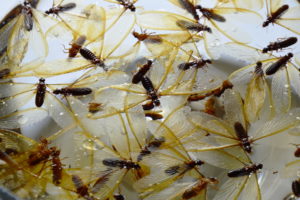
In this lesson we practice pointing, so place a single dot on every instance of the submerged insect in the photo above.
(274, 46)
(153, 144)
(56, 166)
(275, 15)
(209, 106)
(81, 189)
(73, 91)
(272, 69)
(137, 77)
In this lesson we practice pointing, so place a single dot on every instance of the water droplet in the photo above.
(22, 120)
(90, 145)
(61, 113)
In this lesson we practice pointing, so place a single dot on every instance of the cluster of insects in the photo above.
(128, 100)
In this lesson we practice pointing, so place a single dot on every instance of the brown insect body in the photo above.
(4, 72)
(95, 107)
(87, 54)
(56, 166)
(272, 69)
(274, 46)
(147, 84)
(188, 166)
(11, 15)
(210, 106)
(119, 197)
(40, 93)
(195, 64)
(216, 92)
(156, 143)
(76, 46)
(41, 154)
(198, 187)
(258, 69)
(192, 26)
(120, 163)
(276, 15)
(81, 189)
(242, 134)
(73, 91)
(57, 9)
(141, 72)
(245, 171)
(127, 5)
(148, 106)
(210, 14)
(296, 188)
(154, 116)
(149, 37)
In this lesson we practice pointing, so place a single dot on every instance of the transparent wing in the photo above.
(279, 124)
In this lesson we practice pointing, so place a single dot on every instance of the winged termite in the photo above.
(197, 64)
(81, 189)
(283, 80)
(73, 91)
(283, 15)
(211, 29)
(137, 77)
(100, 44)
(127, 4)
(60, 8)
(242, 173)
(175, 166)
(26, 171)
(104, 166)
(188, 6)
(276, 15)
(192, 26)
(216, 92)
(245, 171)
(147, 84)
(152, 144)
(26, 22)
(274, 46)
(161, 44)
(238, 131)
(210, 14)
(198, 187)
(272, 69)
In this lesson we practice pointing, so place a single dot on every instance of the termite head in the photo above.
(156, 102)
(42, 80)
